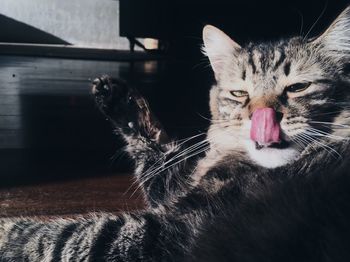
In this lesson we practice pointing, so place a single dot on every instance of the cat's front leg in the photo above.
(128, 237)
(147, 142)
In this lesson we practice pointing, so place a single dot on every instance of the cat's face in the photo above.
(273, 100)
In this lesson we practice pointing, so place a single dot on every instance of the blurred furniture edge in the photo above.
(66, 51)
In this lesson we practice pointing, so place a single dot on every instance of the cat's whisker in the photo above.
(206, 118)
(176, 163)
(118, 154)
(310, 142)
(191, 149)
(188, 150)
(330, 124)
(302, 23)
(327, 113)
(205, 63)
(233, 127)
(314, 24)
(298, 143)
(324, 146)
(185, 140)
(321, 133)
(163, 168)
(306, 142)
(221, 126)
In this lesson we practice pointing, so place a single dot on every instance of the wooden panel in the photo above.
(108, 194)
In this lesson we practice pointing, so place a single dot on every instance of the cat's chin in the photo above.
(271, 157)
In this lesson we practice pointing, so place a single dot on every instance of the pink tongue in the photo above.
(265, 128)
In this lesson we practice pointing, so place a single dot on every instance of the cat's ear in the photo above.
(218, 47)
(337, 36)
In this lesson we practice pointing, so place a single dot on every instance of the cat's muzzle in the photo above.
(280, 145)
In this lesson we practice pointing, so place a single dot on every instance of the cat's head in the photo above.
(273, 100)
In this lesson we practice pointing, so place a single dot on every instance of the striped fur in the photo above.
(222, 199)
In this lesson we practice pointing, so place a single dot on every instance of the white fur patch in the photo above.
(271, 157)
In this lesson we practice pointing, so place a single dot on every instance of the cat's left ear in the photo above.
(337, 36)
(219, 47)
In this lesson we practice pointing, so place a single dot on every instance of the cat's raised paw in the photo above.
(126, 108)
(101, 86)
(110, 94)
(102, 89)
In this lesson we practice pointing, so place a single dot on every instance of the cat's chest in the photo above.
(215, 159)
(218, 169)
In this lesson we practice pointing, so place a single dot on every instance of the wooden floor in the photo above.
(114, 193)
(58, 155)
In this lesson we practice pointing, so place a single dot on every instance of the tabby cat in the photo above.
(272, 183)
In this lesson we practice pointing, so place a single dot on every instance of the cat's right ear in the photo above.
(219, 47)
(336, 39)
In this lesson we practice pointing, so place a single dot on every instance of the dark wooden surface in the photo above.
(113, 193)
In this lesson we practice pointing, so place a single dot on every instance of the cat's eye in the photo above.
(299, 87)
(239, 93)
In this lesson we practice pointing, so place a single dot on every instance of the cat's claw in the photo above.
(101, 87)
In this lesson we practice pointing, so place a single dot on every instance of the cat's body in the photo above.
(272, 184)
(283, 219)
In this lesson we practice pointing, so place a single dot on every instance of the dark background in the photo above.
(181, 22)
(50, 128)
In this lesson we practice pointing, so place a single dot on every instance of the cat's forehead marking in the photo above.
(268, 65)
(281, 58)
(251, 61)
(267, 58)
(286, 68)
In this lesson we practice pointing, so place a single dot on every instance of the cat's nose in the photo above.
(265, 128)
(279, 116)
